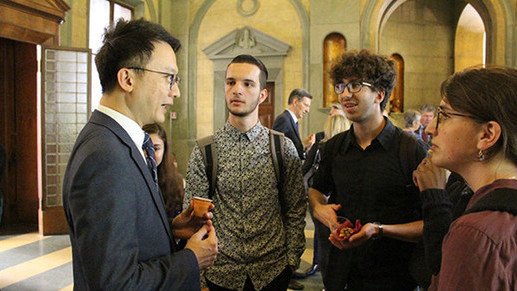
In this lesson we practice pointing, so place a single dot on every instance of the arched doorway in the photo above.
(470, 40)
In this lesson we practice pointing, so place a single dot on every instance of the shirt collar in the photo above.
(385, 137)
(134, 130)
(251, 134)
(293, 115)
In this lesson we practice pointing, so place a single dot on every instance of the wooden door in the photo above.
(18, 134)
(267, 108)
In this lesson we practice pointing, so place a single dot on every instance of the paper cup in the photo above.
(201, 205)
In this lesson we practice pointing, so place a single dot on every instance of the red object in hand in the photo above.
(345, 230)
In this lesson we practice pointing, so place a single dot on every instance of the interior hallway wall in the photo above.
(422, 32)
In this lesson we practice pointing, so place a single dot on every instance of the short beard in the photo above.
(244, 113)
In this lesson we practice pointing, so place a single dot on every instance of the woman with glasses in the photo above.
(475, 135)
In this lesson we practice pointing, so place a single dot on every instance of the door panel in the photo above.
(65, 111)
(18, 134)
(267, 108)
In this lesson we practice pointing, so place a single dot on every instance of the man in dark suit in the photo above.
(120, 236)
(299, 104)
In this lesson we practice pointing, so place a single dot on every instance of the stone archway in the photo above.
(496, 16)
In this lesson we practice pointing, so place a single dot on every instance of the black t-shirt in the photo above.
(370, 185)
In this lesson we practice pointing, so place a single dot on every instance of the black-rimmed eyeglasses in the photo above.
(353, 87)
(442, 115)
(173, 79)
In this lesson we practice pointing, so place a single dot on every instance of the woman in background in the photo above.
(169, 179)
(475, 135)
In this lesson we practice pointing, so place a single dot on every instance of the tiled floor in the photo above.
(33, 262)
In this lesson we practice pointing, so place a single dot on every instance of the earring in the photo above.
(481, 156)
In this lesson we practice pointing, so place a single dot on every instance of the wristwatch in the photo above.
(379, 233)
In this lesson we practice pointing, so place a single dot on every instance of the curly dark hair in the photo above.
(169, 179)
(365, 66)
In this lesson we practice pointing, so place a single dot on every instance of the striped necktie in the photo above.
(148, 148)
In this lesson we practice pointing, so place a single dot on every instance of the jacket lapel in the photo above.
(293, 125)
(104, 120)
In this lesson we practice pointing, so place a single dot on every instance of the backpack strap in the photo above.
(277, 150)
(407, 155)
(209, 153)
(502, 199)
(277, 154)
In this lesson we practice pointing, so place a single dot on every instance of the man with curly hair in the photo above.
(361, 175)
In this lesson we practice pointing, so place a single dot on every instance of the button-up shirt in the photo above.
(258, 237)
(370, 185)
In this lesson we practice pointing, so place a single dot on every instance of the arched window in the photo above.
(334, 46)
(396, 101)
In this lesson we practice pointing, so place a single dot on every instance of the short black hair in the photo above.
(298, 94)
(376, 69)
(129, 44)
(249, 59)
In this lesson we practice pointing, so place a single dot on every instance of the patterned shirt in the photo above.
(256, 237)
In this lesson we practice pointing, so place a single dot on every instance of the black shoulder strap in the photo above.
(407, 154)
(277, 146)
(209, 153)
(277, 153)
(502, 199)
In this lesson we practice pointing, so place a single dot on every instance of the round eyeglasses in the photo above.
(353, 87)
(173, 78)
(442, 115)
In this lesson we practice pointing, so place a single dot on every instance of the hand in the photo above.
(326, 213)
(429, 176)
(186, 223)
(204, 245)
(309, 141)
(366, 233)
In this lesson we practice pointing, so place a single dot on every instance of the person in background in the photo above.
(169, 179)
(412, 122)
(336, 108)
(299, 104)
(260, 223)
(120, 235)
(427, 112)
(358, 176)
(335, 123)
(475, 135)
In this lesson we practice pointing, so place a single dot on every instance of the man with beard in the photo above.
(260, 225)
(361, 171)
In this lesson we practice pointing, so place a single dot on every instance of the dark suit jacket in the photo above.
(119, 231)
(285, 123)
